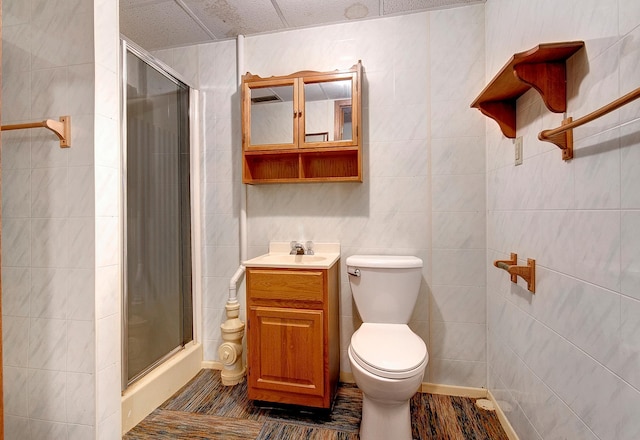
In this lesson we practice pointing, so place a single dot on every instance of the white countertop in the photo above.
(325, 256)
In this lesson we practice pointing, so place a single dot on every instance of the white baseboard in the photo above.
(453, 390)
(212, 365)
(508, 429)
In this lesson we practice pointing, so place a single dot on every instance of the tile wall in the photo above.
(458, 303)
(416, 184)
(108, 249)
(406, 61)
(565, 363)
(390, 211)
(53, 256)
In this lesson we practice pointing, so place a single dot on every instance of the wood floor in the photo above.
(205, 409)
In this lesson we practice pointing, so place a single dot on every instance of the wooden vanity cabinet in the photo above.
(293, 339)
(303, 127)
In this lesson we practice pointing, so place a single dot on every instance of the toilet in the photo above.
(387, 359)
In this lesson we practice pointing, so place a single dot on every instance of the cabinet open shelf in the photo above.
(309, 165)
(543, 68)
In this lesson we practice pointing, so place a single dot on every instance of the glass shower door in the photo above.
(157, 262)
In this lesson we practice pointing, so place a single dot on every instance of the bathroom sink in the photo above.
(292, 259)
(324, 258)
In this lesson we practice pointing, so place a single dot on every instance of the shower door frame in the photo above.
(194, 174)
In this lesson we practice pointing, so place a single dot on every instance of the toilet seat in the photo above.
(388, 350)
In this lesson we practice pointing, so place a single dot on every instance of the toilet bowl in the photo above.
(387, 363)
(387, 359)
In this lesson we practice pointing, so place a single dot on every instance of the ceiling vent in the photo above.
(268, 98)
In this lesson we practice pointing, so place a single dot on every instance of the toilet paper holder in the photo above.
(527, 273)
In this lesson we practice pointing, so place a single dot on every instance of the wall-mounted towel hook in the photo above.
(528, 272)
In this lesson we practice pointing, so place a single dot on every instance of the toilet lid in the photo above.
(388, 350)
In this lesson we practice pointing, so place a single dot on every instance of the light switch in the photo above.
(518, 148)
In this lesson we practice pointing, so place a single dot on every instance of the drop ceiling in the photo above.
(160, 24)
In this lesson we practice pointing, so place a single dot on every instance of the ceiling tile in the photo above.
(228, 18)
(161, 24)
(154, 25)
(307, 13)
(398, 6)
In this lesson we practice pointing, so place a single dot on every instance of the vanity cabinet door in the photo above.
(286, 353)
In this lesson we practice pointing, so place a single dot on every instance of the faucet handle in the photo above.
(309, 246)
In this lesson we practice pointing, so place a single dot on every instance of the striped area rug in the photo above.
(204, 409)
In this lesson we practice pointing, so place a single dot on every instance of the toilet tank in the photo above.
(384, 287)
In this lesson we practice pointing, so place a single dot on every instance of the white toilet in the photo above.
(387, 359)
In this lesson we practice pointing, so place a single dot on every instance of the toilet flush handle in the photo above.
(353, 271)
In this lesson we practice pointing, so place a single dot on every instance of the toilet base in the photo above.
(385, 420)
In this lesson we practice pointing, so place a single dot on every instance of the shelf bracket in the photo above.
(549, 79)
(504, 113)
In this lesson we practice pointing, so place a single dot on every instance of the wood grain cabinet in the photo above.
(302, 127)
(293, 340)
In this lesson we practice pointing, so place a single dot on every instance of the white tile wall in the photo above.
(49, 215)
(106, 235)
(457, 301)
(565, 360)
(391, 211)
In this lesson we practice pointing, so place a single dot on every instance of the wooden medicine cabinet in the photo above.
(303, 127)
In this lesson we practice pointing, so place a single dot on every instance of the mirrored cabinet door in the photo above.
(327, 119)
(271, 116)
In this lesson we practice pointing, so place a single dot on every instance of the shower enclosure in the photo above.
(158, 313)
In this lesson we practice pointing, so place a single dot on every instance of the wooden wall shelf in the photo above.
(543, 68)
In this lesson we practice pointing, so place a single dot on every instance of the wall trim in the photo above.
(453, 390)
(508, 429)
(212, 365)
(346, 377)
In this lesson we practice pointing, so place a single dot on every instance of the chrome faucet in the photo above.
(298, 248)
